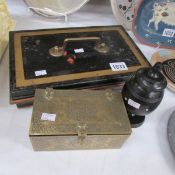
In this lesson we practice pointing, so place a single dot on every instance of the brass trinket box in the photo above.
(78, 119)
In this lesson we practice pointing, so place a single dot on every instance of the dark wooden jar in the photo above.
(143, 93)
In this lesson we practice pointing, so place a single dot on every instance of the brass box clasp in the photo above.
(82, 131)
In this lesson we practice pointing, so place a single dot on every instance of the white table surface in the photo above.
(145, 152)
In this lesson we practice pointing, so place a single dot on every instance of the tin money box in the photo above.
(70, 58)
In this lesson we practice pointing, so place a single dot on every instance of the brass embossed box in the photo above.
(78, 119)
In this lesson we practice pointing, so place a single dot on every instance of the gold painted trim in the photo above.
(22, 82)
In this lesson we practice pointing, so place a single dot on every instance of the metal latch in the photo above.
(82, 131)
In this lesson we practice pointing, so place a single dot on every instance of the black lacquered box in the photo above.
(70, 58)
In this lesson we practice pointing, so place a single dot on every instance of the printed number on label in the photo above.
(48, 117)
(81, 50)
(133, 104)
(168, 32)
(118, 66)
(40, 73)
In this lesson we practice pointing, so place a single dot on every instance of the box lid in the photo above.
(83, 57)
(68, 112)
